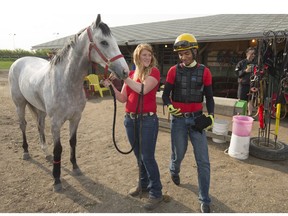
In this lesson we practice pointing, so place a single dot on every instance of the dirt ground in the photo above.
(244, 186)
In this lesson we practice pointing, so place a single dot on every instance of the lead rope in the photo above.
(140, 139)
(114, 123)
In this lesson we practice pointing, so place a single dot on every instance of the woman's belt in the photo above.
(136, 115)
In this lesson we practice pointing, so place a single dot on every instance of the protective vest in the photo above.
(188, 86)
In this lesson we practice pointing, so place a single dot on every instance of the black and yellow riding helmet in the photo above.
(185, 41)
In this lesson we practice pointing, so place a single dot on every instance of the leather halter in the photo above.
(92, 45)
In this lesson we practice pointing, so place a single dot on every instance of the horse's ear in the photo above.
(98, 20)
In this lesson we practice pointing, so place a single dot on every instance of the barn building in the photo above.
(222, 40)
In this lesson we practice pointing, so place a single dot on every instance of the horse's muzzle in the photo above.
(125, 74)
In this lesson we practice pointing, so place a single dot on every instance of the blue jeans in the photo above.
(150, 176)
(180, 129)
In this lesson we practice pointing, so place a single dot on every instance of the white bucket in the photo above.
(239, 147)
(220, 127)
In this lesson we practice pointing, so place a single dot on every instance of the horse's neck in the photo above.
(76, 65)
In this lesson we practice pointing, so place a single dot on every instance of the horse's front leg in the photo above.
(57, 151)
(73, 140)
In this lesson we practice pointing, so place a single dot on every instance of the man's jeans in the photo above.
(150, 176)
(180, 129)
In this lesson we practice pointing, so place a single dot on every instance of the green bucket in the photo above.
(240, 107)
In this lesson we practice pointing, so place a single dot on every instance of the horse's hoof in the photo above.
(49, 158)
(77, 172)
(26, 156)
(57, 187)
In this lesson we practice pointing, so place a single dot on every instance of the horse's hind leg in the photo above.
(22, 122)
(41, 127)
(73, 140)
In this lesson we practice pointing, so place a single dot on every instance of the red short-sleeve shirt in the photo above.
(149, 100)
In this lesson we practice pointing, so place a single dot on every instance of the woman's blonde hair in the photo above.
(141, 71)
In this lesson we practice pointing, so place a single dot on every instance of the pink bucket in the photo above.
(242, 125)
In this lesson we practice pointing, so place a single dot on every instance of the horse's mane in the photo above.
(73, 40)
(63, 52)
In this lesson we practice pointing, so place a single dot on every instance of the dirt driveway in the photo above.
(251, 185)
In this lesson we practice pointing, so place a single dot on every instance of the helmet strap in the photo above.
(194, 54)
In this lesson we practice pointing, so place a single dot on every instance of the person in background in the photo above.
(244, 69)
(144, 80)
(186, 85)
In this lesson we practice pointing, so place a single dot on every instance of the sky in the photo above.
(26, 23)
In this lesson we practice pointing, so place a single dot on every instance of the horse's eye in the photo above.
(104, 43)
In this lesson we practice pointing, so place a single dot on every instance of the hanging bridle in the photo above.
(93, 46)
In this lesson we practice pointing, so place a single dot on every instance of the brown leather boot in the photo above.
(136, 191)
(153, 203)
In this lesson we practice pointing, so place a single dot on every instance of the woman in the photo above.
(145, 78)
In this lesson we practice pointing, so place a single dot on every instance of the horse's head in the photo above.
(104, 49)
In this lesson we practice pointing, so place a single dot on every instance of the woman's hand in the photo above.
(112, 77)
(106, 83)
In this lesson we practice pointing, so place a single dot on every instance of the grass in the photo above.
(5, 64)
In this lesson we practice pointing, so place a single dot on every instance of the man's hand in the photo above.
(173, 111)
(248, 69)
(212, 120)
(203, 122)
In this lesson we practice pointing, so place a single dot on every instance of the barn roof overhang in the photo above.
(216, 28)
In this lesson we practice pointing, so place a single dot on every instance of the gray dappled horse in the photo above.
(56, 88)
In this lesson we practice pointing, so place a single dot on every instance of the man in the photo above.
(244, 69)
(186, 84)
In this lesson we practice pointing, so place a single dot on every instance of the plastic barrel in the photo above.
(220, 127)
(242, 125)
(240, 139)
